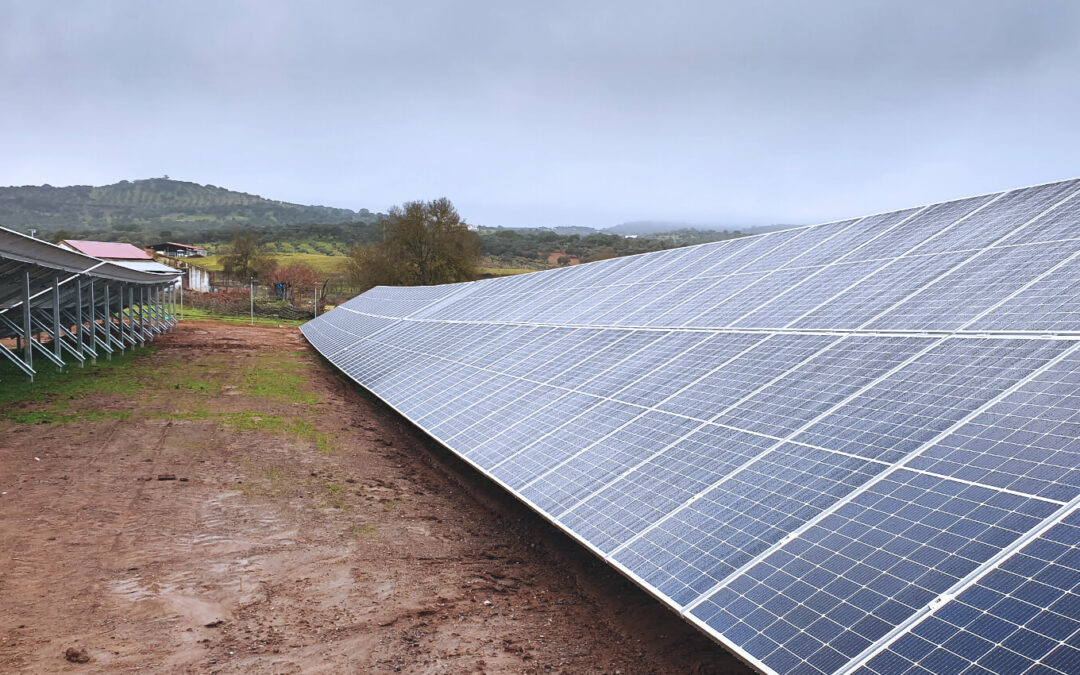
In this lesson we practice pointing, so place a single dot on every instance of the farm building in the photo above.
(175, 250)
(125, 255)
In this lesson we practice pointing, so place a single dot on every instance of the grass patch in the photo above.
(60, 417)
(114, 376)
(196, 314)
(190, 416)
(335, 495)
(320, 262)
(280, 378)
(302, 429)
(362, 530)
(502, 271)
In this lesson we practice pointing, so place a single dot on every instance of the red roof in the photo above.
(109, 249)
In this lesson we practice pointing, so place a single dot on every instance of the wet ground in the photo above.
(227, 502)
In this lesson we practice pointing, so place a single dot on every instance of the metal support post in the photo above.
(93, 320)
(151, 311)
(142, 318)
(56, 317)
(28, 338)
(80, 342)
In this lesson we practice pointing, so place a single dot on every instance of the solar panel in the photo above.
(838, 448)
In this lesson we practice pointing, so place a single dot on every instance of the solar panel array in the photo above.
(844, 447)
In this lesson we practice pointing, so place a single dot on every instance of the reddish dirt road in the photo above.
(229, 503)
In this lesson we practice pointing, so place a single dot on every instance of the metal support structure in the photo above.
(63, 306)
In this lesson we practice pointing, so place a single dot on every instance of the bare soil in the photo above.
(258, 513)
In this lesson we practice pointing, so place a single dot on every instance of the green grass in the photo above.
(188, 415)
(362, 530)
(320, 262)
(278, 377)
(105, 377)
(252, 421)
(58, 417)
(195, 314)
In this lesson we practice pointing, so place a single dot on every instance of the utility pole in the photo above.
(252, 301)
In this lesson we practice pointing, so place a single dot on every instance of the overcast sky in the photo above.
(550, 113)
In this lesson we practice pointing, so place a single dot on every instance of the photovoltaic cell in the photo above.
(846, 582)
(1049, 305)
(1023, 617)
(820, 382)
(969, 290)
(998, 219)
(1028, 442)
(731, 382)
(695, 547)
(924, 398)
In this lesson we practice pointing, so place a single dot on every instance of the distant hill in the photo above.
(640, 227)
(155, 204)
(644, 227)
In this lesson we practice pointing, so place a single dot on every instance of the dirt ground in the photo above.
(227, 502)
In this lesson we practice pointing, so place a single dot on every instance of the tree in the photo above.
(423, 243)
(295, 275)
(245, 259)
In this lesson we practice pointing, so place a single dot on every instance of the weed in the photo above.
(335, 496)
(362, 530)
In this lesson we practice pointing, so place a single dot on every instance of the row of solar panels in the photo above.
(813, 498)
(998, 263)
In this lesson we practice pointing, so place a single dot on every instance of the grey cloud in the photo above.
(549, 113)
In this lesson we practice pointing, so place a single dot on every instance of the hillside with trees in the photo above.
(150, 207)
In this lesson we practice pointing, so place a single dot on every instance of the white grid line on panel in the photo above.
(960, 586)
(778, 269)
(980, 333)
(347, 309)
(726, 276)
(974, 483)
(893, 260)
(897, 466)
(990, 310)
(831, 264)
(709, 422)
(781, 441)
(775, 379)
(966, 261)
(644, 410)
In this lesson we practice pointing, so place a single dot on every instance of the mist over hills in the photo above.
(646, 228)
